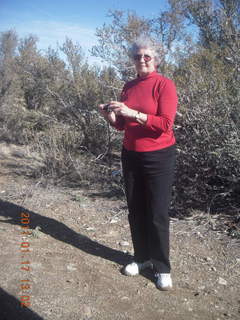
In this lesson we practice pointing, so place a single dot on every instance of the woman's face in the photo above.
(144, 61)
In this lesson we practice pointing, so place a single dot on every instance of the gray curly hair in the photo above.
(146, 43)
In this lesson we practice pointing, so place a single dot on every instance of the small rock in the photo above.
(222, 281)
(114, 220)
(150, 285)
(213, 269)
(226, 314)
(71, 267)
(208, 259)
(90, 229)
(85, 286)
(124, 243)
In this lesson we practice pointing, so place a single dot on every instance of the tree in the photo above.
(8, 46)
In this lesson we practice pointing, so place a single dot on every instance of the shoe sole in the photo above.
(165, 288)
(130, 275)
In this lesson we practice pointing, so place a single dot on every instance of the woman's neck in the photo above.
(145, 74)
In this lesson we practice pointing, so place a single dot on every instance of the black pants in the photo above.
(148, 178)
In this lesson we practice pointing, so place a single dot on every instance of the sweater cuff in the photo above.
(158, 123)
(148, 123)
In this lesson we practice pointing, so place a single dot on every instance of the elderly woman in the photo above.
(146, 113)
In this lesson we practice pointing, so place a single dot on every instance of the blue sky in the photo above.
(53, 20)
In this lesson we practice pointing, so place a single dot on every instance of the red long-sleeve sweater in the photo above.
(155, 96)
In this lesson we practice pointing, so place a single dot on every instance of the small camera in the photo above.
(107, 108)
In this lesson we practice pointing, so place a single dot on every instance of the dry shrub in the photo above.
(18, 124)
(208, 135)
(67, 160)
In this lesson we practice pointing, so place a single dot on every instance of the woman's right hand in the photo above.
(108, 115)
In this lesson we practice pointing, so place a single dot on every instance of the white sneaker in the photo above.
(134, 268)
(164, 281)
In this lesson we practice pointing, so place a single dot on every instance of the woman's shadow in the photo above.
(60, 231)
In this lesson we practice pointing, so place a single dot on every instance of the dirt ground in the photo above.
(69, 266)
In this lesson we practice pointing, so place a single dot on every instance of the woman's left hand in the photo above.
(120, 109)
